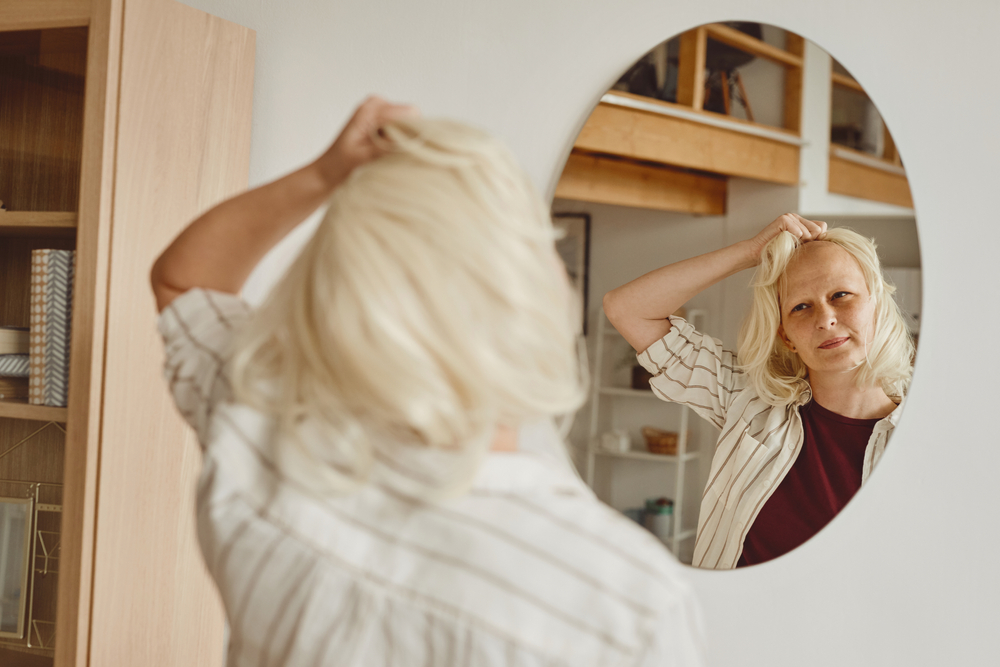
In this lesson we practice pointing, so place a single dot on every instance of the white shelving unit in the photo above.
(601, 393)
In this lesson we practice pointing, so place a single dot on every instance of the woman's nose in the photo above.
(826, 316)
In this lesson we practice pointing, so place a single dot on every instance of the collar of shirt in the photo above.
(524, 472)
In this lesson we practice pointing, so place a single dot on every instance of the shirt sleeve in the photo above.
(691, 368)
(198, 329)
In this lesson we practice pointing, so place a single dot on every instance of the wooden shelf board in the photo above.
(42, 223)
(752, 45)
(646, 456)
(651, 136)
(603, 180)
(845, 81)
(854, 179)
(627, 392)
(21, 409)
(42, 14)
(683, 535)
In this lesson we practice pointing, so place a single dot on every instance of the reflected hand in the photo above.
(356, 144)
(802, 228)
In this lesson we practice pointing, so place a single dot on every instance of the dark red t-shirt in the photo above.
(826, 474)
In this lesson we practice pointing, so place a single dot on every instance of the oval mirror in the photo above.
(703, 143)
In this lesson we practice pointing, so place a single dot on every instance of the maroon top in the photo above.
(823, 478)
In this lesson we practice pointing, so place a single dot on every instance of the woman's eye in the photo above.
(837, 295)
(799, 307)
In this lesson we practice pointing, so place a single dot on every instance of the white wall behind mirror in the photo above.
(906, 575)
(815, 144)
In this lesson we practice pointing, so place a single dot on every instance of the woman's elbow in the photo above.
(612, 306)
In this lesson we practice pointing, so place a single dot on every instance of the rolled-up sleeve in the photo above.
(694, 369)
(198, 329)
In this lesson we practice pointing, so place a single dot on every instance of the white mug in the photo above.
(616, 441)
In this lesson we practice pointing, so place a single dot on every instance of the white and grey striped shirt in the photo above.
(528, 568)
(757, 446)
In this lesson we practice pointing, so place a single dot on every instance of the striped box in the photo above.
(14, 365)
(51, 313)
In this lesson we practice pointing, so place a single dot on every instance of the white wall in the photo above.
(907, 574)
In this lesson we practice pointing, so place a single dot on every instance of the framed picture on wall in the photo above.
(574, 249)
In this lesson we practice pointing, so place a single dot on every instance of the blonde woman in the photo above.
(807, 405)
(381, 484)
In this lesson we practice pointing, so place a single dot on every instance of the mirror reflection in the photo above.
(751, 235)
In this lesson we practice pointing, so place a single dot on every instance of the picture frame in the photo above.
(15, 562)
(574, 250)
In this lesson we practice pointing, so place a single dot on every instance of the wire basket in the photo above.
(659, 441)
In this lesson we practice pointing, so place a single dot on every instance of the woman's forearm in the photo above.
(219, 249)
(639, 310)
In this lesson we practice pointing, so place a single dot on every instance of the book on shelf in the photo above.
(14, 365)
(14, 340)
(13, 388)
(51, 314)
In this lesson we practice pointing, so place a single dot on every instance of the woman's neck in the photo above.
(837, 392)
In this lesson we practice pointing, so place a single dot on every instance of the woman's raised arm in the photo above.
(220, 249)
(639, 310)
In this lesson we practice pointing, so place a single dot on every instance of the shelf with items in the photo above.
(21, 409)
(608, 395)
(38, 223)
(648, 456)
(864, 162)
(626, 392)
(115, 133)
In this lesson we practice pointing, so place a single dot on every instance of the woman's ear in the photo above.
(784, 338)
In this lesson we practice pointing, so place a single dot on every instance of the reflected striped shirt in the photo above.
(527, 568)
(757, 445)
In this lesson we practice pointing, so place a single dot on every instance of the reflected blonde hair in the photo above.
(777, 374)
(429, 308)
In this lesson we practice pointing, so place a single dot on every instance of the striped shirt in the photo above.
(527, 568)
(758, 442)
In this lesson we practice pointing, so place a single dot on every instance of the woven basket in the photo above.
(659, 441)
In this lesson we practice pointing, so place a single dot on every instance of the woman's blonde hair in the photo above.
(777, 374)
(429, 308)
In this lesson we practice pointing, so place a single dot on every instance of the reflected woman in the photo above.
(807, 404)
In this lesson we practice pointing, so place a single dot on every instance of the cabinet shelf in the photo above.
(681, 536)
(647, 456)
(21, 409)
(40, 223)
(630, 393)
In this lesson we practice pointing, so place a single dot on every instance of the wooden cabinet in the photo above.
(119, 122)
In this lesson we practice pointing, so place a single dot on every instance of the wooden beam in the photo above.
(691, 69)
(795, 45)
(41, 14)
(853, 179)
(604, 180)
(752, 45)
(846, 82)
(651, 137)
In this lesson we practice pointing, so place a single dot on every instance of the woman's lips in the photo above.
(833, 342)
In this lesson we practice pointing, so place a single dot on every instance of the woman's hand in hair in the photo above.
(357, 143)
(802, 228)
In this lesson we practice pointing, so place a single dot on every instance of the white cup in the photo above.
(616, 441)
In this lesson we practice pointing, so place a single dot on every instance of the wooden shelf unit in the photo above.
(646, 153)
(858, 174)
(116, 129)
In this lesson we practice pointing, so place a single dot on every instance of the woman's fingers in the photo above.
(809, 230)
(356, 145)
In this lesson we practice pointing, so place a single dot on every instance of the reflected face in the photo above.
(827, 313)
